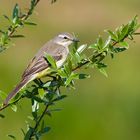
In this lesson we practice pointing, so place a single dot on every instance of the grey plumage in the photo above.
(57, 48)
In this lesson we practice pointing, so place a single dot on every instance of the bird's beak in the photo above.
(75, 40)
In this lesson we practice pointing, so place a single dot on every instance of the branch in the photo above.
(38, 122)
(18, 20)
(47, 93)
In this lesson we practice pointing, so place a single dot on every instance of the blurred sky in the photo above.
(99, 108)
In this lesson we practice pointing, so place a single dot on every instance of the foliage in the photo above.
(45, 94)
(17, 20)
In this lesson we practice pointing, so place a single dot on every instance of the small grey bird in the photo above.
(39, 67)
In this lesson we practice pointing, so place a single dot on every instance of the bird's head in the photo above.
(65, 39)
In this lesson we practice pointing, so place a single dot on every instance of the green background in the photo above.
(99, 108)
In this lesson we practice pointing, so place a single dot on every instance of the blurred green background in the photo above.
(99, 108)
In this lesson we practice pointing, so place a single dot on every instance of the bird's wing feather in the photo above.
(38, 65)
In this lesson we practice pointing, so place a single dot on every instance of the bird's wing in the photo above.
(37, 65)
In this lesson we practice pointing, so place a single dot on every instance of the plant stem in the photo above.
(11, 30)
(5, 106)
(38, 122)
(88, 61)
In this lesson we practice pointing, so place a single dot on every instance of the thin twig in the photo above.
(5, 106)
(11, 30)
(88, 61)
(38, 122)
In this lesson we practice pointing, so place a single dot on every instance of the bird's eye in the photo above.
(65, 37)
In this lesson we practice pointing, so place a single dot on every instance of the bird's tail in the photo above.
(22, 84)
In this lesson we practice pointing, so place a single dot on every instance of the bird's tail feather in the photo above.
(22, 84)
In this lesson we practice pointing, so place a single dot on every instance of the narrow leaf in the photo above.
(41, 92)
(30, 23)
(12, 137)
(28, 134)
(16, 11)
(102, 70)
(100, 42)
(84, 76)
(6, 17)
(14, 108)
(93, 46)
(59, 98)
(23, 132)
(124, 44)
(120, 49)
(112, 34)
(82, 48)
(45, 130)
(51, 60)
(2, 116)
(3, 95)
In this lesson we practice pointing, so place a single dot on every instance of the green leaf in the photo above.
(6, 17)
(42, 125)
(112, 55)
(12, 137)
(100, 41)
(74, 76)
(101, 65)
(3, 95)
(62, 73)
(48, 112)
(107, 43)
(124, 44)
(2, 32)
(112, 34)
(82, 48)
(59, 98)
(41, 92)
(14, 108)
(32, 4)
(93, 46)
(83, 76)
(35, 106)
(32, 117)
(118, 33)
(2, 116)
(16, 11)
(55, 110)
(30, 23)
(132, 24)
(28, 134)
(51, 60)
(37, 99)
(77, 58)
(23, 132)
(102, 70)
(68, 68)
(37, 136)
(124, 32)
(120, 49)
(137, 27)
(44, 130)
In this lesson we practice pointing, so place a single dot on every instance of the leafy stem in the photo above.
(46, 93)
(38, 122)
(19, 19)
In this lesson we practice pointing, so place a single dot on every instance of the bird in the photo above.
(39, 67)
